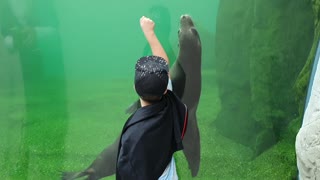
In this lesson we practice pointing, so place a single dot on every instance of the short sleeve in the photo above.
(169, 85)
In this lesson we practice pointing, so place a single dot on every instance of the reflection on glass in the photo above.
(30, 31)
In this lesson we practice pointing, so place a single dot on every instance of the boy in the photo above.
(155, 131)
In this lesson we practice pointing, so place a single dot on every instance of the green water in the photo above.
(65, 83)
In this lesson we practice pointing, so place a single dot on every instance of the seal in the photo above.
(186, 81)
(189, 61)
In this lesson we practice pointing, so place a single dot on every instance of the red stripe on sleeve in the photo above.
(185, 123)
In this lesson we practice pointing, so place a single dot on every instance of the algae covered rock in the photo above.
(233, 36)
(261, 48)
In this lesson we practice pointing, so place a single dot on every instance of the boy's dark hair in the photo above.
(151, 77)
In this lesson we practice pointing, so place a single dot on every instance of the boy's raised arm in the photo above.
(147, 26)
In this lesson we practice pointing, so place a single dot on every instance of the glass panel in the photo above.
(66, 79)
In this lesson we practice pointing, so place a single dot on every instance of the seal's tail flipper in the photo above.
(73, 175)
(133, 107)
(191, 143)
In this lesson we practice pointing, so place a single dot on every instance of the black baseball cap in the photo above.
(151, 76)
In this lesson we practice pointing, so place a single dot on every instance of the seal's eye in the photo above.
(178, 31)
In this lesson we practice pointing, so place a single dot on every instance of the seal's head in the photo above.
(186, 21)
(188, 34)
(151, 78)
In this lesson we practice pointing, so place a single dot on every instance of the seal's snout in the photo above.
(185, 20)
(184, 16)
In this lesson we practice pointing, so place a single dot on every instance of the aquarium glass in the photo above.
(66, 79)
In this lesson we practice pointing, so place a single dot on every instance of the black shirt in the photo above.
(150, 137)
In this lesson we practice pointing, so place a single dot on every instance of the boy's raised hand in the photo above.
(147, 26)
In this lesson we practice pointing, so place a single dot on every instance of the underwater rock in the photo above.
(261, 47)
(232, 62)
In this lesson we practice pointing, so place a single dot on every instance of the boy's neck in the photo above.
(144, 103)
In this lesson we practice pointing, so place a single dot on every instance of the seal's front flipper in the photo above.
(72, 175)
(104, 165)
(178, 78)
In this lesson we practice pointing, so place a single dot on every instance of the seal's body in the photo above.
(189, 61)
(186, 81)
